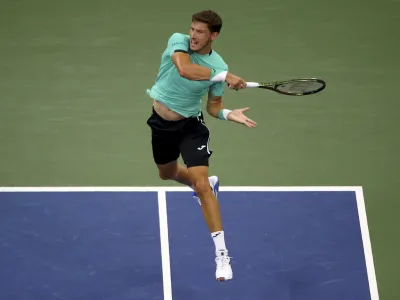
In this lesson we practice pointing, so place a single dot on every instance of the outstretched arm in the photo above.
(216, 109)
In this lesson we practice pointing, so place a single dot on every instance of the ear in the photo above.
(214, 35)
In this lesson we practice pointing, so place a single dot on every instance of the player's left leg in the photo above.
(195, 153)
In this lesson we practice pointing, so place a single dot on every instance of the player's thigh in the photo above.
(165, 150)
(168, 170)
(195, 146)
(165, 142)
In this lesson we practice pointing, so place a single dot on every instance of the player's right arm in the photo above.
(189, 70)
(178, 46)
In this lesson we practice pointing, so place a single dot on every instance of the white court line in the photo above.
(362, 214)
(165, 259)
(182, 189)
(162, 190)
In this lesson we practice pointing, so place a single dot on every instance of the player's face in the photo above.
(200, 36)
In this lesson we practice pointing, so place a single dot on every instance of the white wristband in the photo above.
(223, 114)
(220, 76)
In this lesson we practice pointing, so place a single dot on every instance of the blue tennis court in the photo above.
(297, 243)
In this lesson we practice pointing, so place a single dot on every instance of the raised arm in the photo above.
(189, 70)
(178, 47)
(192, 71)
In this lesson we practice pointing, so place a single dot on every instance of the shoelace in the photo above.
(222, 261)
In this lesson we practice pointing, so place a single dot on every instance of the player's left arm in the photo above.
(214, 105)
(215, 108)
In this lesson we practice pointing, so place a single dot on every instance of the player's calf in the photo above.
(206, 189)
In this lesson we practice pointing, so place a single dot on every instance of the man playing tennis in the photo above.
(189, 69)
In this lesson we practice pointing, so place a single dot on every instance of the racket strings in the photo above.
(300, 87)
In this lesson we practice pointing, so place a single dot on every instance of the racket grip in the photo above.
(252, 84)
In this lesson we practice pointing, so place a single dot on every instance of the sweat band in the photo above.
(223, 114)
(218, 75)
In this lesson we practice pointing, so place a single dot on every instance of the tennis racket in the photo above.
(292, 87)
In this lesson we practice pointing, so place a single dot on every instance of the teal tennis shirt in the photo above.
(179, 94)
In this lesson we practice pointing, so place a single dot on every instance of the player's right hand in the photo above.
(235, 82)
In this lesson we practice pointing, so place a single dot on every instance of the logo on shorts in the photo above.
(202, 147)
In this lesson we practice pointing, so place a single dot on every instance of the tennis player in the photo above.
(189, 70)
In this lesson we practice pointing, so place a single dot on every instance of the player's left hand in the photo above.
(237, 116)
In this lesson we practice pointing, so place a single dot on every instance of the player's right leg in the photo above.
(165, 140)
(173, 171)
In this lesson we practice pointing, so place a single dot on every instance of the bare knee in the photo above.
(166, 175)
(202, 186)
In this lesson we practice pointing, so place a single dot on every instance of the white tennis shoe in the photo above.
(223, 270)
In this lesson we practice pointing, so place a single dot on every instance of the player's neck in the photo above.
(205, 51)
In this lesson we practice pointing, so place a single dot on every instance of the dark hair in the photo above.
(211, 18)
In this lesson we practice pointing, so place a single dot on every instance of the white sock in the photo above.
(219, 240)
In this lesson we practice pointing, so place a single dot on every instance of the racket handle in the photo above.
(252, 84)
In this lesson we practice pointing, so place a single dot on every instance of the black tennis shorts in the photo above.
(187, 137)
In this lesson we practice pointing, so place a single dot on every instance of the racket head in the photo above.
(296, 87)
